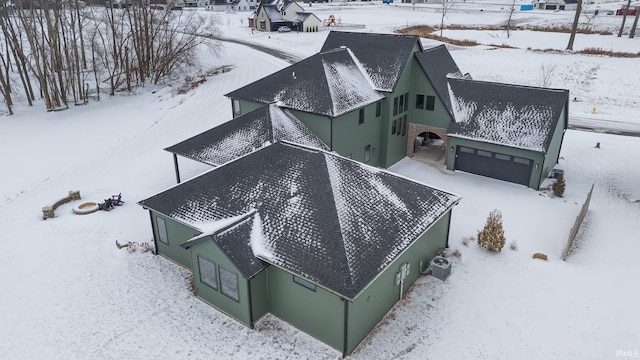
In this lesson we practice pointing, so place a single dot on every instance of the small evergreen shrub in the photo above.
(558, 186)
(491, 237)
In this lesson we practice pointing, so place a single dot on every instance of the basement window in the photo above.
(207, 270)
(302, 282)
(229, 283)
(162, 230)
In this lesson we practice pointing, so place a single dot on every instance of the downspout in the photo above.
(250, 304)
(345, 328)
(446, 245)
(175, 165)
(153, 230)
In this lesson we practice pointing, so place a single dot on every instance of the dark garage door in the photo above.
(495, 165)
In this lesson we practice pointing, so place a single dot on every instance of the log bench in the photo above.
(49, 211)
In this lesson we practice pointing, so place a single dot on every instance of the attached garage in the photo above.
(508, 132)
(495, 165)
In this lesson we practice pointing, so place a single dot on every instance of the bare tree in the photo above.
(547, 73)
(632, 33)
(444, 9)
(574, 27)
(513, 8)
(624, 17)
(588, 14)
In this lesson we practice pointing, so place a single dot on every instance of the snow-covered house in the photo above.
(269, 17)
(370, 96)
(556, 4)
(326, 243)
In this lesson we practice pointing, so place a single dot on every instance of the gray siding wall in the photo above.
(177, 234)
(378, 298)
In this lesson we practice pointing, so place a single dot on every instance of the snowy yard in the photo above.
(69, 293)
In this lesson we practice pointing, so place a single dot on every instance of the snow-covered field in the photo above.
(69, 293)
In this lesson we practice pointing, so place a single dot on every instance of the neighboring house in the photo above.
(247, 133)
(323, 242)
(370, 96)
(557, 4)
(508, 132)
(269, 17)
(244, 5)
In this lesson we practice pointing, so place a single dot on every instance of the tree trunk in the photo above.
(632, 33)
(574, 27)
(624, 18)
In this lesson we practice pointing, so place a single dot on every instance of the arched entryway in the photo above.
(427, 141)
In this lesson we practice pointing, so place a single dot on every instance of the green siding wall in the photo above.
(395, 148)
(177, 234)
(350, 137)
(237, 309)
(551, 159)
(537, 158)
(439, 116)
(376, 300)
(320, 125)
(247, 106)
(318, 313)
(259, 295)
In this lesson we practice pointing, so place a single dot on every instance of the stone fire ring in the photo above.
(86, 208)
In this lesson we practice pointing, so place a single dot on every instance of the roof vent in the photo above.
(343, 46)
(440, 267)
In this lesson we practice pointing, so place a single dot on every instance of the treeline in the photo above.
(61, 52)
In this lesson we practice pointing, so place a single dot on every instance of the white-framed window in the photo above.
(207, 270)
(229, 283)
(162, 230)
(302, 282)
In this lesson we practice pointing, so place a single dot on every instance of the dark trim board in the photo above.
(494, 165)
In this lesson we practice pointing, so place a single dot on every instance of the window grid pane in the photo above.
(207, 272)
(419, 101)
(229, 283)
(431, 101)
(395, 106)
(406, 101)
(393, 127)
(162, 230)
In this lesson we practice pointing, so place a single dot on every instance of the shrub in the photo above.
(558, 186)
(491, 237)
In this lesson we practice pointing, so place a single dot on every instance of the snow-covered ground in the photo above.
(69, 293)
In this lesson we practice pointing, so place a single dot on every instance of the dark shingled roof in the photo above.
(332, 220)
(437, 63)
(383, 56)
(273, 13)
(244, 134)
(512, 115)
(232, 241)
(329, 83)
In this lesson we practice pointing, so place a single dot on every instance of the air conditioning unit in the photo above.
(440, 267)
